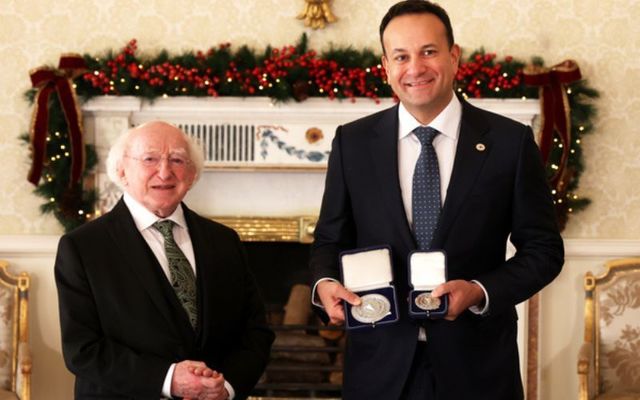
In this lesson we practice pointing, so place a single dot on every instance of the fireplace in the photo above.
(306, 359)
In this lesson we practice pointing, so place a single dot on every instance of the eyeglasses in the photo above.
(154, 160)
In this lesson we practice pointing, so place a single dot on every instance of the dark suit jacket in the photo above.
(122, 324)
(492, 193)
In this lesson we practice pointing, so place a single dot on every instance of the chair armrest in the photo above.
(24, 358)
(585, 371)
(585, 358)
(23, 379)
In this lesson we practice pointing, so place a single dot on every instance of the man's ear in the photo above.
(455, 55)
(121, 175)
(384, 61)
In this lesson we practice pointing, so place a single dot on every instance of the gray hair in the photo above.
(118, 149)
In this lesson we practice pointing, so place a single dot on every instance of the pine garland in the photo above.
(289, 73)
(72, 204)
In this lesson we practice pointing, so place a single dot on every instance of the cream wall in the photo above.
(601, 36)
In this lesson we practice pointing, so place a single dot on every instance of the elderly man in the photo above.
(155, 300)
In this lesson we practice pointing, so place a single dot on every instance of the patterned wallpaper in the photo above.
(601, 36)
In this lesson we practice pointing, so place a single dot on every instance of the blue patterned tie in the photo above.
(183, 279)
(425, 202)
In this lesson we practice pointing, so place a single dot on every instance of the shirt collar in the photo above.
(143, 218)
(447, 122)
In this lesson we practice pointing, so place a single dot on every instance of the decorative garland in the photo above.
(292, 72)
(268, 134)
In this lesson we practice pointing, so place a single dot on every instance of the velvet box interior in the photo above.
(427, 270)
(368, 273)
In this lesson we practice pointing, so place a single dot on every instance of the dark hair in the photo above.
(417, 7)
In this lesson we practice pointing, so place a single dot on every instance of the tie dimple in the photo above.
(183, 279)
(425, 202)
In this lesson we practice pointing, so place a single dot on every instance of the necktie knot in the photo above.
(425, 134)
(165, 228)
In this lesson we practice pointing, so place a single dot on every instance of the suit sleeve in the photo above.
(335, 230)
(245, 363)
(88, 352)
(534, 233)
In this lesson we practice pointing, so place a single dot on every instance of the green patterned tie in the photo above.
(183, 279)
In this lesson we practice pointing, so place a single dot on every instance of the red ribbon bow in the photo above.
(49, 80)
(555, 108)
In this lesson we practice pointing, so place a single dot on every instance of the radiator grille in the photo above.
(224, 143)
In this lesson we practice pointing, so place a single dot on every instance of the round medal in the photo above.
(373, 308)
(425, 301)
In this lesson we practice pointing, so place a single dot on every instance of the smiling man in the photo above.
(479, 178)
(156, 301)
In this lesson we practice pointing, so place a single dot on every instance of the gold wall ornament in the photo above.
(317, 13)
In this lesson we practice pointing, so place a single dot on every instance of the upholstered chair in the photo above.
(609, 359)
(15, 357)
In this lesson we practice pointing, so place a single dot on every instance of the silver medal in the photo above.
(373, 308)
(425, 301)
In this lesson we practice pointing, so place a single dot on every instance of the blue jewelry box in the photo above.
(427, 270)
(368, 273)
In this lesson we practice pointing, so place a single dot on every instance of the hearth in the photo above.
(306, 359)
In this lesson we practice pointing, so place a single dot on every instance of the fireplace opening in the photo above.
(277, 267)
(306, 358)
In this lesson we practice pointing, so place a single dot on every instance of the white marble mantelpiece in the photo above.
(270, 182)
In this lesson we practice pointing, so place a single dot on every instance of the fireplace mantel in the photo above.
(262, 158)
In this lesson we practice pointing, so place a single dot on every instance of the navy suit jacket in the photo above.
(493, 193)
(122, 324)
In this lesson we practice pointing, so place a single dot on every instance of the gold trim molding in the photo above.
(271, 229)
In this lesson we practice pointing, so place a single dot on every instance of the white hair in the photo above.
(119, 148)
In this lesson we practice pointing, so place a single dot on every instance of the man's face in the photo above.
(419, 63)
(156, 169)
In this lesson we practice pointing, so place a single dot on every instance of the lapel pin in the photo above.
(480, 147)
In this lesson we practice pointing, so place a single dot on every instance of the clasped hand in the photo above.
(193, 380)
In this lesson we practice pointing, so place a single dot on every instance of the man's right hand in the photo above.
(331, 294)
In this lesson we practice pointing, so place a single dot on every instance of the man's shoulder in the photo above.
(92, 226)
(369, 121)
(207, 224)
(473, 114)
(97, 230)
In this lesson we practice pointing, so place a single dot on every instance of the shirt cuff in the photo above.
(166, 386)
(481, 309)
(232, 393)
(314, 298)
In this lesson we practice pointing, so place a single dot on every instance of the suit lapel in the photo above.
(211, 286)
(384, 153)
(473, 148)
(137, 256)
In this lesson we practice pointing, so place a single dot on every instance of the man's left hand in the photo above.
(462, 295)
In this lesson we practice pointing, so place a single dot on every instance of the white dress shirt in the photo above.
(144, 220)
(409, 147)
